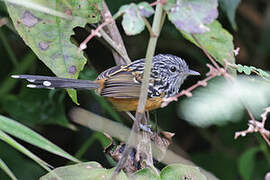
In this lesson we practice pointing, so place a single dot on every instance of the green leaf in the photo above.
(146, 173)
(247, 70)
(48, 34)
(82, 171)
(218, 42)
(181, 171)
(22, 166)
(94, 171)
(240, 68)
(36, 107)
(145, 9)
(263, 73)
(229, 7)
(226, 101)
(4, 137)
(192, 16)
(133, 22)
(5, 168)
(24, 133)
(246, 163)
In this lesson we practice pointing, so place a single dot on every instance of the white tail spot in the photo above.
(47, 83)
(31, 86)
(31, 80)
(15, 76)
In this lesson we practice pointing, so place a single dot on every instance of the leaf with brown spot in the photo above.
(49, 35)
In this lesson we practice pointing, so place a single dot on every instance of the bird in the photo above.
(121, 84)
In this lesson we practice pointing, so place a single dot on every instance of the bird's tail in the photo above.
(57, 82)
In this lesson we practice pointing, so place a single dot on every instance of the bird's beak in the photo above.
(193, 73)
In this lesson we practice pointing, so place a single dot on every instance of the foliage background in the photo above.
(46, 112)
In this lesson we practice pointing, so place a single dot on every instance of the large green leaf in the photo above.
(221, 101)
(94, 171)
(48, 34)
(24, 133)
(218, 42)
(191, 16)
(82, 171)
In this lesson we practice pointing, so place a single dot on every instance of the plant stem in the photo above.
(145, 142)
(119, 53)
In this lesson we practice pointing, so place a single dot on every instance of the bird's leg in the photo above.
(146, 128)
(156, 123)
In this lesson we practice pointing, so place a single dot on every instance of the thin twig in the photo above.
(205, 52)
(94, 33)
(114, 34)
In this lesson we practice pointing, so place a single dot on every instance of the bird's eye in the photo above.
(173, 69)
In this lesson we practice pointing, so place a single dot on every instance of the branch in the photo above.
(114, 38)
(256, 126)
(133, 139)
(119, 53)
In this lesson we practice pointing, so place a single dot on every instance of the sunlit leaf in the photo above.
(192, 16)
(48, 34)
(24, 133)
(218, 42)
(222, 101)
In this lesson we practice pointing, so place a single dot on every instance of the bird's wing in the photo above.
(121, 83)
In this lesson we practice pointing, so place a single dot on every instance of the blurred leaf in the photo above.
(49, 35)
(82, 171)
(247, 70)
(24, 133)
(181, 171)
(4, 137)
(35, 106)
(246, 163)
(9, 82)
(133, 22)
(92, 170)
(219, 163)
(218, 42)
(5, 168)
(22, 167)
(229, 7)
(192, 16)
(222, 101)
